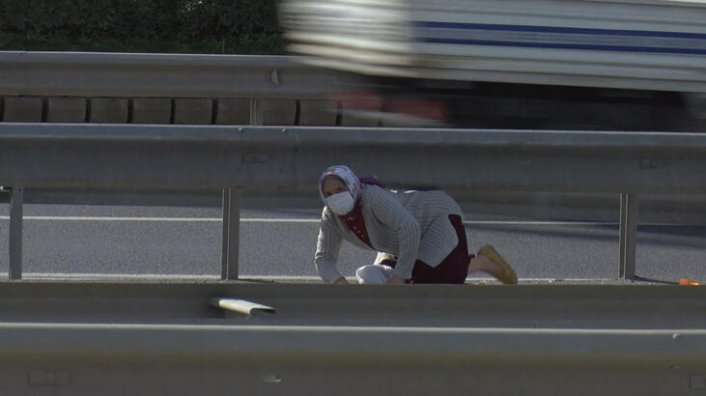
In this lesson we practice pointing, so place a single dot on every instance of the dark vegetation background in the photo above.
(175, 26)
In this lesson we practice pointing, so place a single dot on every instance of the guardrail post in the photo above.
(231, 234)
(231, 213)
(256, 112)
(16, 203)
(628, 234)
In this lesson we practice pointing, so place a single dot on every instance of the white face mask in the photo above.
(341, 203)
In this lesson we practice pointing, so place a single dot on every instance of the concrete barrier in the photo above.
(233, 111)
(313, 112)
(108, 110)
(23, 109)
(151, 111)
(71, 110)
(279, 112)
(193, 111)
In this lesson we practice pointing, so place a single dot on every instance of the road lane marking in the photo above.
(158, 219)
(278, 278)
(289, 220)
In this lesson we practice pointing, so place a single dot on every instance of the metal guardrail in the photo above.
(221, 90)
(85, 74)
(165, 339)
(279, 160)
(165, 89)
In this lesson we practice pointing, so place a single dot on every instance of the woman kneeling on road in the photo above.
(419, 235)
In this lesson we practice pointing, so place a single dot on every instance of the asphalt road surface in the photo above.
(108, 240)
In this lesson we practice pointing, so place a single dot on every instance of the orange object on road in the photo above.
(688, 282)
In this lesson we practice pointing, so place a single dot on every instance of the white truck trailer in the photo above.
(570, 64)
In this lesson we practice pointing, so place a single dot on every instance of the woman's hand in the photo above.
(395, 280)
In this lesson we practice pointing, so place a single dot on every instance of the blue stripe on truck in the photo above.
(553, 37)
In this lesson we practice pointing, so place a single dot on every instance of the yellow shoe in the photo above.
(508, 276)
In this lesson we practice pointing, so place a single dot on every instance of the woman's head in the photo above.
(339, 189)
(331, 185)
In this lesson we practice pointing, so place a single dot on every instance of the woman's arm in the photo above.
(389, 210)
(327, 248)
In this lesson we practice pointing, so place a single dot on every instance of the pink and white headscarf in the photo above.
(349, 178)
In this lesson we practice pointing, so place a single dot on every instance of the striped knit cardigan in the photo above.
(410, 225)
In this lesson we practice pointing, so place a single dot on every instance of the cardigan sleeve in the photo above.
(327, 248)
(390, 211)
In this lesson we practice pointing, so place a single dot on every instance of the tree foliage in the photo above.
(176, 25)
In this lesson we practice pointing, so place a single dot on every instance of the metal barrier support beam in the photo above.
(628, 234)
(231, 213)
(256, 112)
(231, 234)
(16, 219)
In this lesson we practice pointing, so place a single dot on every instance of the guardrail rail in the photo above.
(236, 159)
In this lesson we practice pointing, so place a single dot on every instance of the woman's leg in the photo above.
(454, 268)
(484, 264)
(491, 262)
